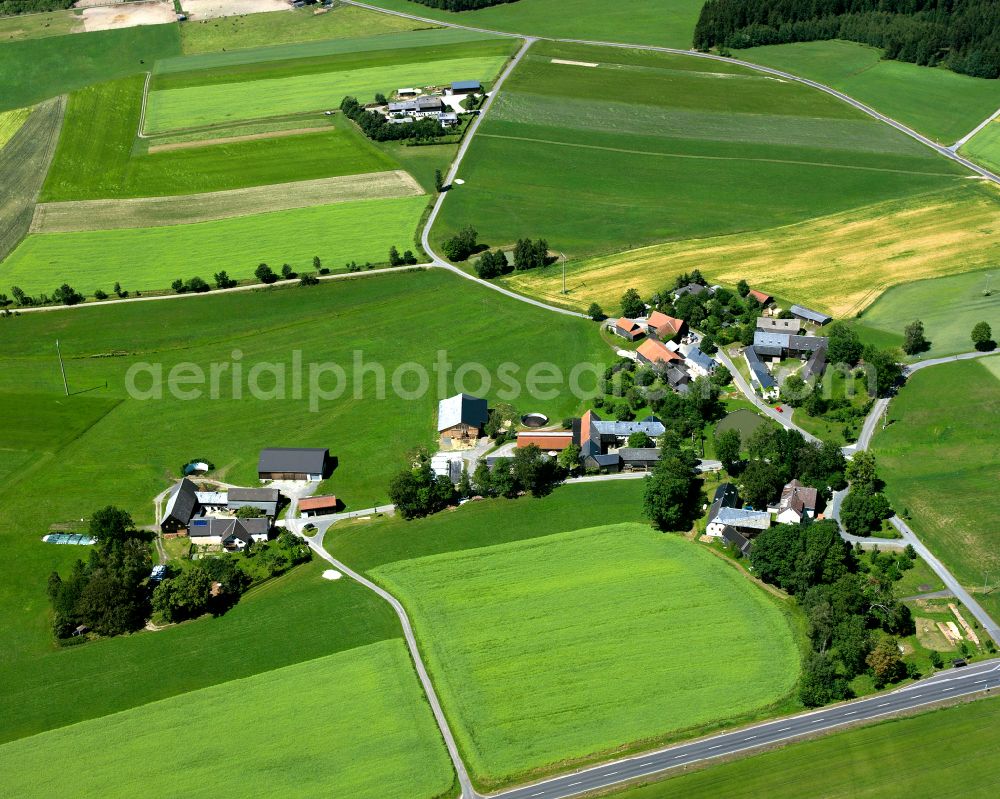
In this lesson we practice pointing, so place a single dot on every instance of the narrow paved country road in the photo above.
(468, 792)
(975, 130)
(942, 687)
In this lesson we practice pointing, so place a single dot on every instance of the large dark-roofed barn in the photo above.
(292, 463)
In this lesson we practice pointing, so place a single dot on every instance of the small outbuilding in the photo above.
(316, 506)
(639, 458)
(761, 297)
(628, 329)
(809, 315)
(665, 327)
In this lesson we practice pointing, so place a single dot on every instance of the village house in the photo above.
(293, 463)
(797, 503)
(760, 376)
(652, 352)
(461, 420)
(628, 329)
(230, 534)
(784, 345)
(185, 502)
(595, 436)
(665, 327)
(698, 363)
(690, 288)
(725, 511)
(767, 324)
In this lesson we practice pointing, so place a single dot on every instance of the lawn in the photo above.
(36, 69)
(745, 422)
(984, 147)
(24, 160)
(295, 25)
(366, 714)
(949, 307)
(723, 148)
(132, 453)
(940, 459)
(839, 263)
(96, 157)
(669, 23)
(153, 257)
(527, 644)
(276, 89)
(939, 103)
(938, 753)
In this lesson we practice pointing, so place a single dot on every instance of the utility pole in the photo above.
(564, 274)
(62, 368)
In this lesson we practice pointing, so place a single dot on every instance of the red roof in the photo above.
(665, 326)
(760, 296)
(653, 351)
(318, 503)
(545, 441)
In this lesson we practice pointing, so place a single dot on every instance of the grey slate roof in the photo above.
(305, 460)
(253, 494)
(699, 358)
(738, 517)
(770, 343)
(806, 343)
(606, 460)
(815, 365)
(651, 426)
(726, 496)
(242, 529)
(181, 503)
(736, 539)
(768, 325)
(639, 454)
(461, 409)
(808, 314)
(760, 373)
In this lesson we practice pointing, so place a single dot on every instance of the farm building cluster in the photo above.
(730, 520)
(441, 103)
(233, 518)
(778, 339)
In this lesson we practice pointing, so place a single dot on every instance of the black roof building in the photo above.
(292, 463)
(181, 505)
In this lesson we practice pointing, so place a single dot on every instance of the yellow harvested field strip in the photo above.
(274, 134)
(839, 263)
(715, 157)
(571, 63)
(68, 217)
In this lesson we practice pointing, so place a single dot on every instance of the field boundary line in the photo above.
(196, 143)
(972, 133)
(715, 157)
(939, 148)
(145, 99)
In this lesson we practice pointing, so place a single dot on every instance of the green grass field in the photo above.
(40, 25)
(36, 69)
(723, 148)
(939, 103)
(387, 320)
(943, 752)
(948, 306)
(265, 89)
(984, 147)
(97, 157)
(668, 24)
(940, 459)
(296, 25)
(152, 258)
(24, 161)
(527, 644)
(366, 713)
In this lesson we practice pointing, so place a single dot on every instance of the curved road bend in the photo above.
(943, 686)
(939, 148)
(468, 792)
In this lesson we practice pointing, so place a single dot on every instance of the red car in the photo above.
(778, 409)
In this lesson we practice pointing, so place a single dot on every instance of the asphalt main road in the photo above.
(943, 686)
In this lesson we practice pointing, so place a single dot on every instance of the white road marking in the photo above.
(645, 764)
(850, 713)
(538, 794)
(609, 773)
(750, 738)
(572, 784)
(783, 729)
(884, 704)
(717, 746)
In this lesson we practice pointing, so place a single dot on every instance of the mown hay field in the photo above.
(24, 161)
(556, 649)
(940, 459)
(97, 157)
(69, 217)
(152, 257)
(669, 24)
(208, 98)
(939, 103)
(11, 122)
(294, 25)
(648, 147)
(839, 263)
(948, 306)
(945, 751)
(332, 722)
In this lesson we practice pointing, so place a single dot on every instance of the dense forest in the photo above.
(463, 5)
(9, 8)
(963, 35)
